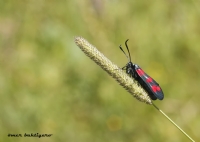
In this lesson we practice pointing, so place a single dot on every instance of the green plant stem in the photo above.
(173, 122)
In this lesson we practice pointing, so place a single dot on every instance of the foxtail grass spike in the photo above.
(130, 84)
(116, 72)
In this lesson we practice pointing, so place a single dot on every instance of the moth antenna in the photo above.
(124, 52)
(128, 50)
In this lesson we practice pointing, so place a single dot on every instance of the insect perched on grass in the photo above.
(149, 84)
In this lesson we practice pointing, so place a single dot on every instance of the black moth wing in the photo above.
(149, 84)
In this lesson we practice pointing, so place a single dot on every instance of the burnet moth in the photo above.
(149, 84)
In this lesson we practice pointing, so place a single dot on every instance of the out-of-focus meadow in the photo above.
(48, 85)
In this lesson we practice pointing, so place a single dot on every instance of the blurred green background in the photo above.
(48, 85)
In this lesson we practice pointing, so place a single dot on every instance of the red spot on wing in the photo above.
(149, 79)
(158, 88)
(140, 72)
(155, 88)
